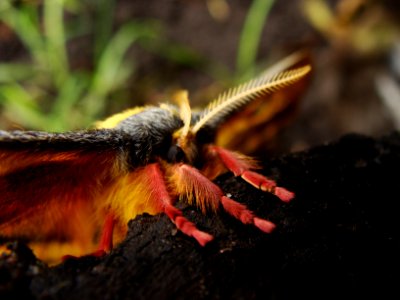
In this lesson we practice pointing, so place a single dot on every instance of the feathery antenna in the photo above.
(244, 93)
(185, 113)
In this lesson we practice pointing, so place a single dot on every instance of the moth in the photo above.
(74, 192)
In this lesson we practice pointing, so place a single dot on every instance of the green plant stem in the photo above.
(24, 21)
(103, 25)
(251, 34)
(55, 40)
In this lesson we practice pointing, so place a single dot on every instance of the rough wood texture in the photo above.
(339, 238)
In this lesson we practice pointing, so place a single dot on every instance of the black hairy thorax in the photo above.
(151, 133)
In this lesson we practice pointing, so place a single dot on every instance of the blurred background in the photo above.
(65, 64)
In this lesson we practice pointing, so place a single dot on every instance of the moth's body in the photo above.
(115, 172)
(81, 188)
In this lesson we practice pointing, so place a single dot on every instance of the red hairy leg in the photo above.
(240, 166)
(187, 178)
(106, 239)
(158, 186)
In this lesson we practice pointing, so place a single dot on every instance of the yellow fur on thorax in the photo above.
(131, 195)
(51, 251)
(114, 120)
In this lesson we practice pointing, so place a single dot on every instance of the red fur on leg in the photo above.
(189, 180)
(241, 212)
(190, 229)
(158, 186)
(237, 210)
(235, 162)
(106, 240)
(263, 183)
(240, 165)
(186, 226)
(190, 183)
(172, 212)
(175, 215)
(259, 181)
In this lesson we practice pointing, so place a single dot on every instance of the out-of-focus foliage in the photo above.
(362, 26)
(46, 90)
(43, 91)
(251, 35)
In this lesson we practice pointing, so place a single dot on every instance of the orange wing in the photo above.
(50, 185)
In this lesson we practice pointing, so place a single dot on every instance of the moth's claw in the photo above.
(283, 194)
(264, 225)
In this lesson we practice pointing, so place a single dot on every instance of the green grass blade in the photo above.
(24, 22)
(112, 64)
(103, 25)
(69, 95)
(19, 104)
(55, 40)
(251, 35)
(11, 72)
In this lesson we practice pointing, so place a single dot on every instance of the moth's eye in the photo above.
(176, 154)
